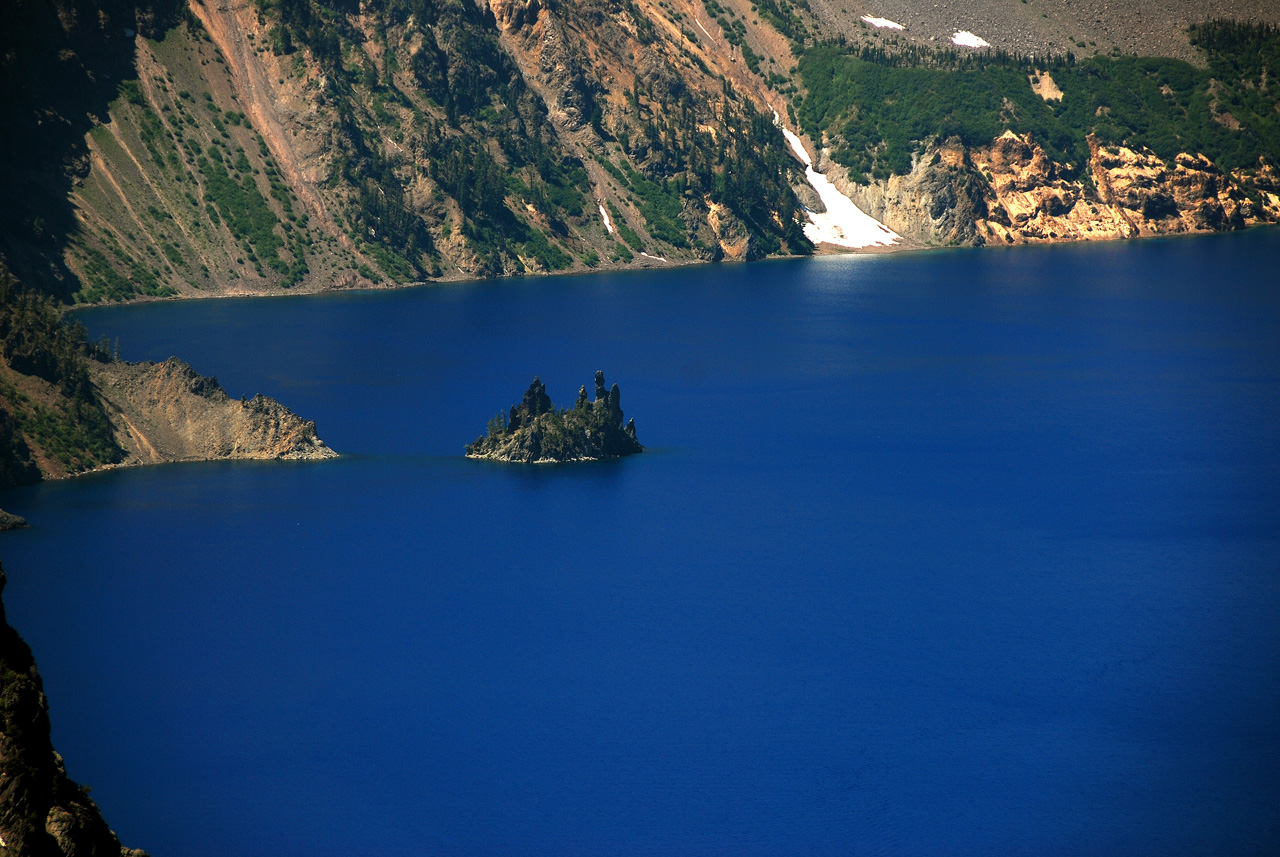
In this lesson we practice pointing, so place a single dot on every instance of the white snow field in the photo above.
(883, 23)
(966, 39)
(843, 223)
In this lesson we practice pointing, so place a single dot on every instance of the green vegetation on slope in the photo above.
(1245, 59)
(883, 106)
(185, 187)
(411, 132)
(100, 280)
(444, 85)
(746, 169)
(68, 423)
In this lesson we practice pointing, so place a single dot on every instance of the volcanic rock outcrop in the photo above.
(1012, 192)
(535, 432)
(169, 412)
(1137, 194)
(938, 203)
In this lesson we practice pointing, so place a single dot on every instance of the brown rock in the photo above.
(940, 202)
(168, 412)
(514, 14)
(1133, 193)
(734, 241)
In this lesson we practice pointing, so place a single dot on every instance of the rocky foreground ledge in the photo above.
(169, 412)
(42, 811)
(535, 432)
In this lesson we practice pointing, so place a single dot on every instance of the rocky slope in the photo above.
(989, 148)
(9, 521)
(536, 433)
(43, 813)
(940, 202)
(67, 406)
(196, 147)
(1146, 27)
(168, 412)
(231, 146)
(1012, 192)
(1130, 193)
(52, 421)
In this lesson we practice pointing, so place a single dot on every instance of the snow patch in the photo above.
(843, 223)
(966, 39)
(651, 256)
(883, 23)
(607, 224)
(702, 28)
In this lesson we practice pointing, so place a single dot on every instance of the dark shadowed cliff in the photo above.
(43, 812)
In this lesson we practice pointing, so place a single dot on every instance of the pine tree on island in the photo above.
(534, 431)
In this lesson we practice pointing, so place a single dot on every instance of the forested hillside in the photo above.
(201, 147)
(880, 105)
(51, 418)
(184, 148)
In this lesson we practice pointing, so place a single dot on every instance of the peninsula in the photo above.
(68, 406)
(535, 432)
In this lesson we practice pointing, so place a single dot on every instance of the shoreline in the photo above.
(821, 252)
(824, 250)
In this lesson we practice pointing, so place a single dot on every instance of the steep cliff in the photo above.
(43, 813)
(988, 147)
(1124, 194)
(674, 132)
(239, 147)
(1012, 192)
(195, 147)
(941, 201)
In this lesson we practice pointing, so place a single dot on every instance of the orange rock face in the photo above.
(1131, 193)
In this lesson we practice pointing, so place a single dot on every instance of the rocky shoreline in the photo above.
(863, 195)
(1011, 192)
(1007, 193)
(168, 412)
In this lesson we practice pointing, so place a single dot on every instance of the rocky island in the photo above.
(536, 432)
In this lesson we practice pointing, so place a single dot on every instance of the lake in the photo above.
(963, 552)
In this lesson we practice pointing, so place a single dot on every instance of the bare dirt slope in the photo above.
(168, 412)
(1145, 27)
(226, 26)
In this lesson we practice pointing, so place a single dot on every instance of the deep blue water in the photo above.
(959, 552)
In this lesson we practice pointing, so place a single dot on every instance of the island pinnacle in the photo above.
(533, 431)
